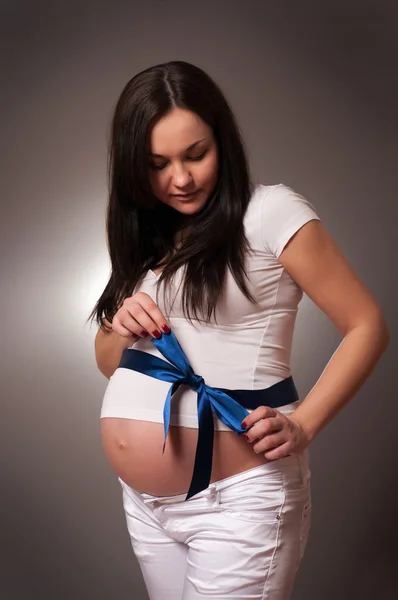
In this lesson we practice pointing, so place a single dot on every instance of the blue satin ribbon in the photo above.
(229, 405)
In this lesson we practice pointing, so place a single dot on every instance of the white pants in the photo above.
(243, 537)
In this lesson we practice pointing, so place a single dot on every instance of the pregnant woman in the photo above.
(201, 420)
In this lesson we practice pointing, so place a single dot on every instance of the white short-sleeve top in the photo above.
(250, 345)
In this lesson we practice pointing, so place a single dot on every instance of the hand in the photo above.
(274, 434)
(138, 316)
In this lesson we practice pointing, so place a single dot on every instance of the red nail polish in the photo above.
(156, 333)
(144, 333)
(166, 329)
(244, 425)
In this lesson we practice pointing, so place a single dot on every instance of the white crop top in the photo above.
(250, 346)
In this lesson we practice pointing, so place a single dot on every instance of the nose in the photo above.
(181, 176)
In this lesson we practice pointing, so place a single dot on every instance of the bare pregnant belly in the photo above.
(134, 450)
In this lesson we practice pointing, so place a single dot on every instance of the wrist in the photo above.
(305, 431)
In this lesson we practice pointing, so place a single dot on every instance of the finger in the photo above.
(262, 412)
(148, 314)
(129, 326)
(145, 321)
(269, 442)
(133, 315)
(121, 329)
(280, 452)
(264, 427)
(156, 315)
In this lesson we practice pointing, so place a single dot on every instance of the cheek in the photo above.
(209, 172)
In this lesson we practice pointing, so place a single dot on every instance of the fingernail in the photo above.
(156, 333)
(247, 439)
(166, 329)
(244, 425)
(144, 333)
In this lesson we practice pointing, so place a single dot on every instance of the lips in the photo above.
(186, 197)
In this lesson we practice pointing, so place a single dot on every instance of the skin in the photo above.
(175, 167)
(315, 262)
(182, 158)
(311, 258)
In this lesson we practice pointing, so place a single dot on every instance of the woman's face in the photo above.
(183, 159)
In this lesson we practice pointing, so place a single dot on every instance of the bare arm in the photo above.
(109, 348)
(318, 266)
(138, 317)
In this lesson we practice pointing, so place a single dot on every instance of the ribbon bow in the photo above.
(210, 399)
(226, 404)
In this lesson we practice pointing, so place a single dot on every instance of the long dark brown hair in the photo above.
(141, 229)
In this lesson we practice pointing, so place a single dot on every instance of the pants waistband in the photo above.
(276, 467)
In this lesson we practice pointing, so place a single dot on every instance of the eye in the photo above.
(158, 167)
(199, 157)
(164, 165)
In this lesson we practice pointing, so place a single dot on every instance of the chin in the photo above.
(195, 206)
(190, 209)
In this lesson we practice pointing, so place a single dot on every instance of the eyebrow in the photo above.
(189, 148)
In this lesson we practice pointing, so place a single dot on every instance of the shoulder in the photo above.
(279, 212)
(280, 197)
(277, 199)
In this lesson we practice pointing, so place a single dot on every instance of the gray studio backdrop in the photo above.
(315, 94)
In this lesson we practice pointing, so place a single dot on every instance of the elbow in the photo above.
(382, 328)
(104, 370)
(376, 328)
(378, 325)
(104, 366)
(102, 363)
(385, 335)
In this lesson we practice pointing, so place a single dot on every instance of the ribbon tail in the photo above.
(204, 448)
(230, 412)
(167, 411)
(170, 347)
